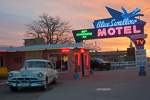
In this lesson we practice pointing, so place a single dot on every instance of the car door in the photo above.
(50, 72)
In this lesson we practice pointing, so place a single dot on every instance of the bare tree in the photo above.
(52, 29)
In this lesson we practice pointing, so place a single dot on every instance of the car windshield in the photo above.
(99, 60)
(34, 64)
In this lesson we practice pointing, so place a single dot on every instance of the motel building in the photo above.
(68, 59)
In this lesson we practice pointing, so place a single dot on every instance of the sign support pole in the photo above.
(140, 53)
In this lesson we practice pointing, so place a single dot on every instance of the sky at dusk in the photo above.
(14, 14)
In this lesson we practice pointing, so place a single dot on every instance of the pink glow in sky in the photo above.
(14, 14)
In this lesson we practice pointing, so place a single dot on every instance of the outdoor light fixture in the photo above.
(82, 50)
(3, 51)
(65, 50)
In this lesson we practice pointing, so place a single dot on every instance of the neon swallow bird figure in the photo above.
(134, 13)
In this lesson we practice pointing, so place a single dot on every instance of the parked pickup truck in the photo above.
(35, 73)
(99, 64)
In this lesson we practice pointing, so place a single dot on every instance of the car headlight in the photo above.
(10, 74)
(40, 74)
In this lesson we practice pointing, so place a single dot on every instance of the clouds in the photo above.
(14, 14)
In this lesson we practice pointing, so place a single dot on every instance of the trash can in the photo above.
(92, 71)
(76, 76)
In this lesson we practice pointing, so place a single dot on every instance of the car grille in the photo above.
(24, 80)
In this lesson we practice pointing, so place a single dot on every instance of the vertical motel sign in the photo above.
(120, 25)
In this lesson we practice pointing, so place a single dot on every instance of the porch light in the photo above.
(82, 50)
(65, 50)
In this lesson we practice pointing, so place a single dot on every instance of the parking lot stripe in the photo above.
(104, 89)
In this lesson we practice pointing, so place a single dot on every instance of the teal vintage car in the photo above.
(34, 73)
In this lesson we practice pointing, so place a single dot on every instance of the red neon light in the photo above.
(3, 51)
(65, 50)
(82, 50)
(87, 60)
(78, 58)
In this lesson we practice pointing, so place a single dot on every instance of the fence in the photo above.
(123, 64)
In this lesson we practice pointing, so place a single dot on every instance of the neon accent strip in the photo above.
(87, 60)
(78, 58)
(3, 50)
(65, 50)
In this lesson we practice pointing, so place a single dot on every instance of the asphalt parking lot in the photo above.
(123, 84)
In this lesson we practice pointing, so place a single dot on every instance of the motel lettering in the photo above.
(121, 30)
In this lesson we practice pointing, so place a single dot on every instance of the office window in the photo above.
(59, 61)
(1, 61)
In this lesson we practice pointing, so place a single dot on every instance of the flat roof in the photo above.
(38, 60)
(49, 47)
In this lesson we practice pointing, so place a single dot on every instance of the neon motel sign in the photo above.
(121, 24)
(126, 30)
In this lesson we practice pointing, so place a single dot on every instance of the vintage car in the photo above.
(99, 64)
(35, 73)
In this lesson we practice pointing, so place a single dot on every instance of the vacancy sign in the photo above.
(141, 59)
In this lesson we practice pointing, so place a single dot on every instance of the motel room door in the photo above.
(81, 63)
(77, 63)
(85, 63)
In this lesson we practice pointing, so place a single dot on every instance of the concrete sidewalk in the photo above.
(123, 84)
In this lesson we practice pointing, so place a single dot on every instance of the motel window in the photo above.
(59, 61)
(1, 61)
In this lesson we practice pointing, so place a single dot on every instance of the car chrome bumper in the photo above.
(25, 82)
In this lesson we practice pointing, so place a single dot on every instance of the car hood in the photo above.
(29, 71)
(106, 62)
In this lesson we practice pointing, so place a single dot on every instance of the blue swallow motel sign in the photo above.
(120, 25)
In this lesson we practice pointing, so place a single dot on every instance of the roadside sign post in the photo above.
(120, 25)
(141, 61)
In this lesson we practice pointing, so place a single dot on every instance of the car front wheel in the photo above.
(45, 87)
(54, 81)
(13, 88)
